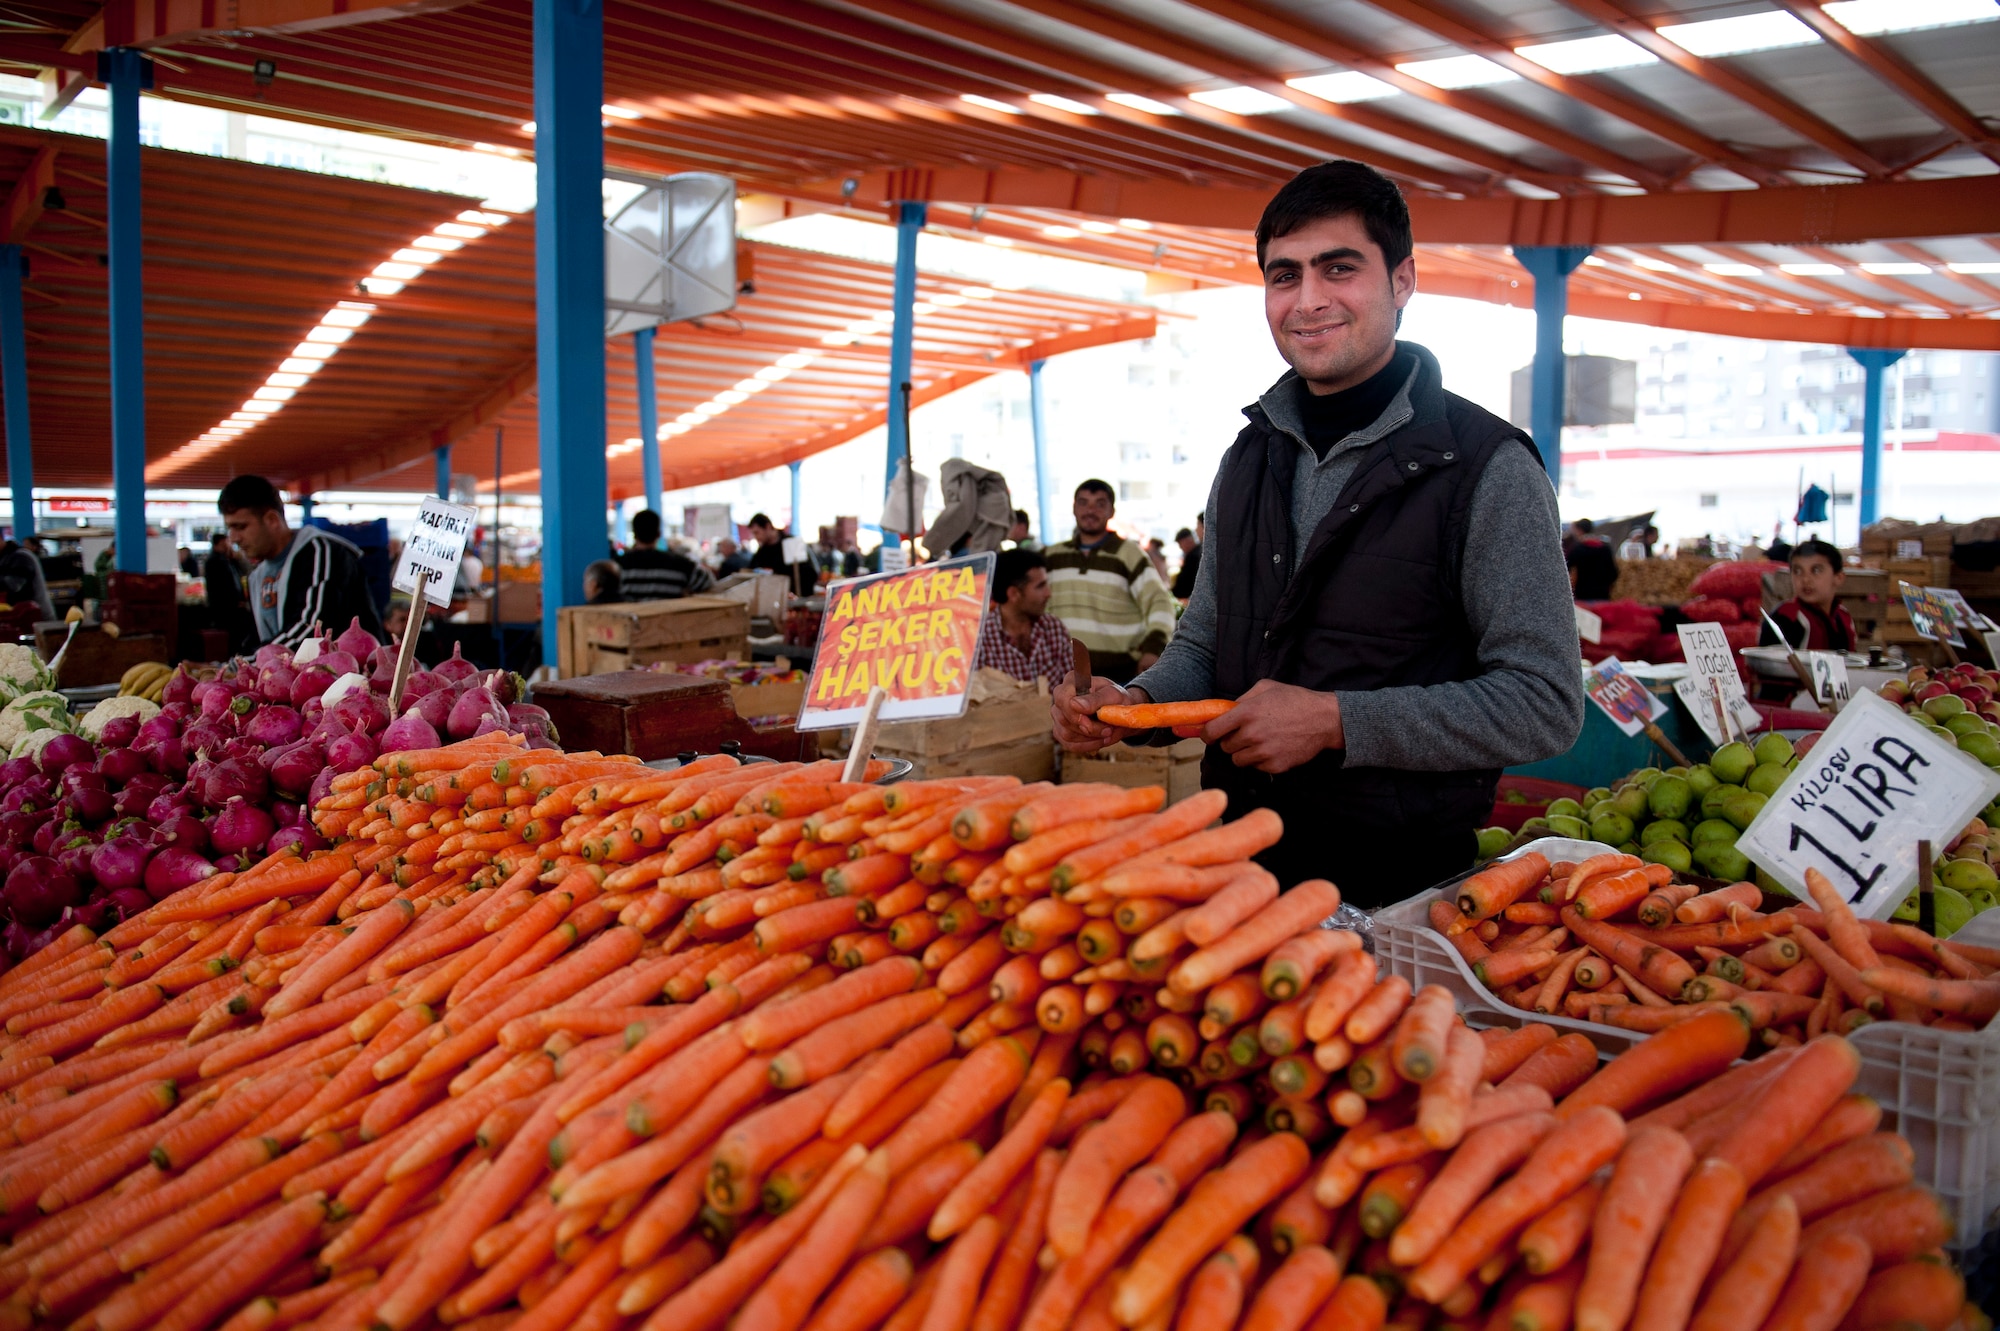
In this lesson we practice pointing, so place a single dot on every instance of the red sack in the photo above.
(1712, 610)
(1665, 647)
(1734, 580)
(1752, 607)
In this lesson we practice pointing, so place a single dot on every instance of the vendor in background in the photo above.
(1019, 534)
(1190, 545)
(1107, 591)
(602, 584)
(729, 558)
(1384, 596)
(21, 580)
(1593, 569)
(1020, 638)
(228, 605)
(648, 573)
(1813, 620)
(302, 578)
(770, 556)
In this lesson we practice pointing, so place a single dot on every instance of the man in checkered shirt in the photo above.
(1020, 638)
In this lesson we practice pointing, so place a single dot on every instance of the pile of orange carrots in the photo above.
(555, 1041)
(1618, 941)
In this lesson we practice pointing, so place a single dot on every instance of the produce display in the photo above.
(135, 800)
(1616, 940)
(552, 1041)
(147, 680)
(1960, 703)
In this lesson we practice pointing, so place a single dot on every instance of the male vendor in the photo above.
(1382, 589)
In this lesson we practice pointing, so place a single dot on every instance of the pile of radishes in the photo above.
(221, 777)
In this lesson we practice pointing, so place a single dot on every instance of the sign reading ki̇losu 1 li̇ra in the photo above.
(915, 634)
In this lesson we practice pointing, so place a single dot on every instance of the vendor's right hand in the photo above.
(1075, 715)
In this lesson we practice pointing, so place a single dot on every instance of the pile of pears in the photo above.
(1686, 818)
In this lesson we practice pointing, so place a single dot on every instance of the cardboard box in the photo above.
(602, 639)
(764, 592)
(1176, 766)
(1001, 710)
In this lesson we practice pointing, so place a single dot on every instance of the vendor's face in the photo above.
(1093, 510)
(1032, 596)
(1332, 301)
(1814, 581)
(258, 535)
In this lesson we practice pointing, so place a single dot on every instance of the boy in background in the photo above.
(1811, 620)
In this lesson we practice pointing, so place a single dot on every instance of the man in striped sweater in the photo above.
(1106, 592)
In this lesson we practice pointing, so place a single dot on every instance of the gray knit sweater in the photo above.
(1527, 704)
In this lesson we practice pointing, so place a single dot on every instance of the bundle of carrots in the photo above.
(554, 1039)
(1617, 941)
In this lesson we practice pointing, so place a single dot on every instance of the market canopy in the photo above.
(255, 271)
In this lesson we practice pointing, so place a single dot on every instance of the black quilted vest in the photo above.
(1374, 605)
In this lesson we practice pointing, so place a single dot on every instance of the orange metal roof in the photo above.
(241, 261)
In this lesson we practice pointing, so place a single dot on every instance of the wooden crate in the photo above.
(1002, 710)
(97, 657)
(658, 714)
(602, 639)
(1176, 766)
(1929, 572)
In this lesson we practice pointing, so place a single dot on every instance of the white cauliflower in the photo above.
(91, 727)
(21, 671)
(31, 744)
(42, 710)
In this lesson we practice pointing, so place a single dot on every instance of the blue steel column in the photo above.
(1550, 266)
(1038, 420)
(798, 524)
(443, 459)
(902, 337)
(1873, 363)
(645, 375)
(14, 385)
(569, 298)
(305, 508)
(126, 71)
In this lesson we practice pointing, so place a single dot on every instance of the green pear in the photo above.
(1712, 802)
(1766, 778)
(1907, 912)
(1714, 829)
(1535, 825)
(1969, 875)
(1732, 762)
(1611, 827)
(1983, 747)
(1773, 748)
(1676, 771)
(1943, 706)
(1743, 807)
(1721, 859)
(1563, 808)
(1644, 776)
(1702, 779)
(1564, 826)
(1966, 723)
(1493, 841)
(1627, 848)
(1631, 802)
(1769, 884)
(1669, 852)
(1595, 794)
(1953, 911)
(1665, 829)
(1983, 899)
(1669, 797)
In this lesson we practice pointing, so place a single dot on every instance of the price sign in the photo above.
(1829, 672)
(1589, 625)
(894, 557)
(914, 634)
(1712, 677)
(1932, 614)
(1909, 549)
(1874, 785)
(434, 546)
(1630, 704)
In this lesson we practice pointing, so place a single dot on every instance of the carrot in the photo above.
(1613, 895)
(1549, 997)
(779, 1024)
(1147, 716)
(1248, 890)
(1789, 1105)
(1418, 1047)
(1259, 1175)
(977, 1087)
(1139, 1123)
(1007, 1285)
(1444, 1103)
(1071, 804)
(1468, 1175)
(1660, 904)
(1295, 1291)
(982, 1188)
(1357, 1304)
(1633, 1211)
(1498, 886)
(1214, 1296)
(867, 1293)
(1744, 1293)
(1660, 968)
(1827, 1279)
(1560, 1164)
(1737, 1085)
(1375, 1015)
(1351, 980)
(1681, 1055)
(1507, 1049)
(1975, 1000)
(1558, 1234)
(919, 1049)
(783, 1300)
(1847, 934)
(1851, 1117)
(1152, 832)
(1920, 1293)
(833, 1046)
(1898, 1224)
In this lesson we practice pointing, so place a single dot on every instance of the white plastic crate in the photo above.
(1940, 1089)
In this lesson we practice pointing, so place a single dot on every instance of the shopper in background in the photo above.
(1593, 568)
(303, 578)
(1018, 533)
(1190, 563)
(228, 605)
(770, 556)
(1020, 638)
(1106, 590)
(648, 573)
(21, 580)
(1813, 620)
(729, 558)
(602, 583)
(1384, 598)
(188, 565)
(1156, 555)
(1780, 549)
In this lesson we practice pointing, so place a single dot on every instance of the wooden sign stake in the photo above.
(406, 656)
(1659, 737)
(1926, 898)
(864, 737)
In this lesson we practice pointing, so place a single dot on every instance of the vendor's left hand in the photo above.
(1276, 727)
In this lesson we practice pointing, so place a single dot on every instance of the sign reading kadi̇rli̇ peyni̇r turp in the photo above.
(435, 545)
(1874, 785)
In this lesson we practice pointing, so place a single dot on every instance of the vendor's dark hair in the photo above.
(1824, 549)
(1340, 189)
(1011, 569)
(1095, 486)
(645, 526)
(251, 492)
(760, 520)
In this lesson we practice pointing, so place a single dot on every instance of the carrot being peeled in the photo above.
(1146, 716)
